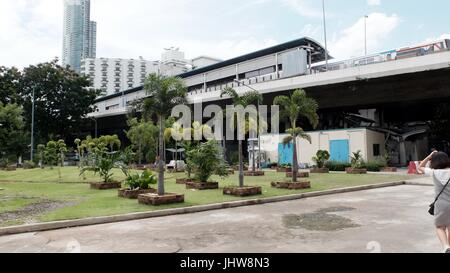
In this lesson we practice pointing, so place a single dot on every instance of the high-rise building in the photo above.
(80, 33)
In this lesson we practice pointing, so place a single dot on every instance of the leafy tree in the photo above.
(13, 138)
(103, 163)
(51, 153)
(41, 155)
(164, 94)
(9, 85)
(62, 99)
(112, 141)
(207, 160)
(321, 158)
(249, 98)
(292, 108)
(143, 136)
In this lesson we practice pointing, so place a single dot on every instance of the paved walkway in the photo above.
(384, 220)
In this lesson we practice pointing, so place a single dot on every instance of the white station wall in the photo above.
(359, 139)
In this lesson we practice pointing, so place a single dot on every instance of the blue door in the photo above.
(285, 153)
(339, 150)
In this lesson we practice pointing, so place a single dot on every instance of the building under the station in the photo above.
(394, 103)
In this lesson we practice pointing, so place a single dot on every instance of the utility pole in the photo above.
(32, 126)
(325, 34)
(365, 34)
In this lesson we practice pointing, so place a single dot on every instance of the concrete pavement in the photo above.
(383, 220)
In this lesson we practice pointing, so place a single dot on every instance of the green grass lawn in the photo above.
(25, 190)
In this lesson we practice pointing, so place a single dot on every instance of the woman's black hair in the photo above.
(440, 161)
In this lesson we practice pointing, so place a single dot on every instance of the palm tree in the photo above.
(164, 94)
(249, 98)
(292, 108)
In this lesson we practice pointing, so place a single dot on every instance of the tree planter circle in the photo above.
(284, 170)
(389, 170)
(183, 180)
(320, 170)
(105, 186)
(355, 171)
(242, 192)
(10, 169)
(254, 173)
(156, 200)
(195, 185)
(292, 185)
(299, 175)
(133, 194)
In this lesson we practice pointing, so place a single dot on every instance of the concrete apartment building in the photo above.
(113, 75)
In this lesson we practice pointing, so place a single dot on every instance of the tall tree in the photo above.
(247, 99)
(13, 138)
(9, 85)
(143, 136)
(164, 93)
(292, 108)
(63, 99)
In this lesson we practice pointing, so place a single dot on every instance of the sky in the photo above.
(31, 30)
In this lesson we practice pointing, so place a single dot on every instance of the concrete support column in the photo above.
(403, 153)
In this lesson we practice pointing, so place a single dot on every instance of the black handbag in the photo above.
(432, 206)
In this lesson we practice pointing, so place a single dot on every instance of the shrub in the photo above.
(104, 162)
(357, 162)
(29, 164)
(207, 159)
(335, 166)
(321, 158)
(141, 181)
(375, 166)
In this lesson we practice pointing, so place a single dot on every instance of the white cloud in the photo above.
(310, 30)
(31, 30)
(350, 41)
(374, 2)
(304, 7)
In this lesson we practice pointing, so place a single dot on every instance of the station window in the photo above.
(376, 150)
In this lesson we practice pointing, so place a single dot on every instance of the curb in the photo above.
(187, 210)
(412, 183)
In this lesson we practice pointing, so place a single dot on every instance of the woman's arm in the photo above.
(424, 163)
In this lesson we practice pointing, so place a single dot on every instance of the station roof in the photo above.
(318, 55)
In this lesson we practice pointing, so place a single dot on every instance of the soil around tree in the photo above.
(29, 213)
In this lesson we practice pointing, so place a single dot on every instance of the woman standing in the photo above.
(439, 169)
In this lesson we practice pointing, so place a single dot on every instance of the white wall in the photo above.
(359, 139)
